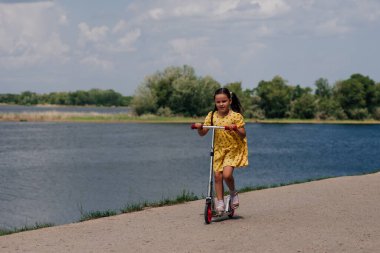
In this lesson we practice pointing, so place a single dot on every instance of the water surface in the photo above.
(51, 172)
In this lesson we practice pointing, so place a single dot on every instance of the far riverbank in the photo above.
(98, 117)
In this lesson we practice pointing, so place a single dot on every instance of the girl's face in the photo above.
(222, 103)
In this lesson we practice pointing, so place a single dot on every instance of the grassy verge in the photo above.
(182, 198)
(25, 228)
(311, 121)
(55, 116)
(185, 196)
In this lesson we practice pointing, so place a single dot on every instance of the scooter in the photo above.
(210, 211)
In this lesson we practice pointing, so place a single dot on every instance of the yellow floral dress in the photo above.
(229, 148)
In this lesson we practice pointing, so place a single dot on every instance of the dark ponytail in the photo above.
(235, 104)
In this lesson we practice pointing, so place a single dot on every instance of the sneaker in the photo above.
(234, 200)
(219, 207)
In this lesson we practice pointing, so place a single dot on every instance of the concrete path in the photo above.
(333, 215)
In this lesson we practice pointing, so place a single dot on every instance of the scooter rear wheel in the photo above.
(208, 213)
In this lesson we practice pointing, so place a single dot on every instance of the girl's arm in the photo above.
(201, 131)
(240, 131)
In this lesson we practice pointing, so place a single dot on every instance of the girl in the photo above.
(230, 149)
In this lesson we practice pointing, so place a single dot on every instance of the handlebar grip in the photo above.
(230, 128)
(194, 127)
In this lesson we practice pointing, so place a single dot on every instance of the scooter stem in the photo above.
(211, 182)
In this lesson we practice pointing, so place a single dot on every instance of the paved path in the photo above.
(333, 215)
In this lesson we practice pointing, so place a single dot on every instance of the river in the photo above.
(53, 172)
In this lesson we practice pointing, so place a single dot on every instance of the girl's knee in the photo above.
(228, 173)
(218, 177)
(228, 177)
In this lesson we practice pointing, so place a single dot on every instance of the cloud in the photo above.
(29, 34)
(121, 26)
(218, 10)
(96, 62)
(23, 1)
(106, 40)
(94, 35)
(332, 27)
(126, 43)
(188, 47)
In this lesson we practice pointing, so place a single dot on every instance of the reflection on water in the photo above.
(50, 172)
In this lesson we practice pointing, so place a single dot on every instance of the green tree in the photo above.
(297, 92)
(323, 88)
(369, 89)
(351, 95)
(304, 107)
(144, 101)
(161, 83)
(193, 97)
(328, 108)
(28, 98)
(275, 97)
(176, 88)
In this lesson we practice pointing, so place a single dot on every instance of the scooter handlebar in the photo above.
(193, 126)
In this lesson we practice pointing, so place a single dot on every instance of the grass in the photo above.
(185, 196)
(25, 228)
(55, 116)
(96, 215)
(312, 121)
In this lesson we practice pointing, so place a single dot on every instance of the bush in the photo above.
(303, 107)
(164, 112)
(358, 113)
(376, 113)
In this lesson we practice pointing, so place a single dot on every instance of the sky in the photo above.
(68, 45)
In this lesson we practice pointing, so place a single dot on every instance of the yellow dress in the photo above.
(229, 148)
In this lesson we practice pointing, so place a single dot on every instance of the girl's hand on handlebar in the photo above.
(197, 126)
(232, 127)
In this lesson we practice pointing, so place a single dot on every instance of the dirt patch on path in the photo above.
(333, 215)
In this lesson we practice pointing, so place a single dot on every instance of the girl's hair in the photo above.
(235, 104)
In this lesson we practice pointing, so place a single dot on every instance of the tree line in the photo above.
(95, 97)
(178, 91)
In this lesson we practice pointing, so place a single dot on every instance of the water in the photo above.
(51, 172)
(82, 109)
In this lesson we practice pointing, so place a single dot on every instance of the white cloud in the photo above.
(222, 9)
(156, 13)
(29, 36)
(368, 9)
(96, 62)
(188, 47)
(332, 27)
(270, 8)
(126, 43)
(95, 34)
(120, 27)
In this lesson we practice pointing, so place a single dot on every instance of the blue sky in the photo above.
(68, 45)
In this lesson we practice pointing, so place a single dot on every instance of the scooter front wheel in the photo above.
(208, 213)
(231, 214)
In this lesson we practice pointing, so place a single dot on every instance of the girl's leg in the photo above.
(219, 205)
(219, 185)
(229, 178)
(230, 181)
